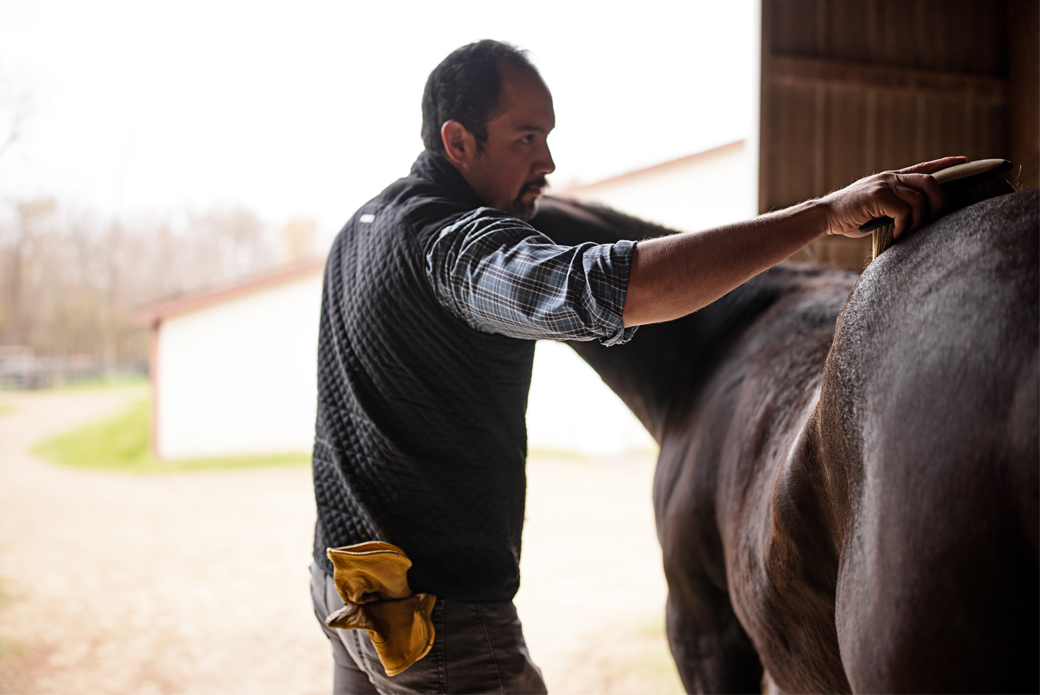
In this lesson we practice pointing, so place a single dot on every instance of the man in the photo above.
(435, 292)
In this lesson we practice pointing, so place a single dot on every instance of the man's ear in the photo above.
(459, 144)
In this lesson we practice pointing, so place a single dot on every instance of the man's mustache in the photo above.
(537, 184)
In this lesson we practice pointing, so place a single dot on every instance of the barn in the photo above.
(233, 369)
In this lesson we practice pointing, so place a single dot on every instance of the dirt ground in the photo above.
(198, 583)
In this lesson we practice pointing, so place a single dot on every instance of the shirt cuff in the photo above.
(609, 266)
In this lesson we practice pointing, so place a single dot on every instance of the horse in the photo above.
(846, 494)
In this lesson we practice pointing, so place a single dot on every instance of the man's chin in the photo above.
(525, 213)
(523, 207)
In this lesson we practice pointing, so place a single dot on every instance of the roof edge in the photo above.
(661, 166)
(153, 314)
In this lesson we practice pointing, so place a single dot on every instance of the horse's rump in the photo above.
(930, 402)
(884, 538)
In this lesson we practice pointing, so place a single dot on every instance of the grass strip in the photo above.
(120, 445)
(102, 383)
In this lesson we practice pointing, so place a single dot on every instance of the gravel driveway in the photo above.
(198, 583)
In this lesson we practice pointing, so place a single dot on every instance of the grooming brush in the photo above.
(963, 185)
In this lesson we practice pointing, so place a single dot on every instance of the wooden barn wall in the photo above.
(850, 88)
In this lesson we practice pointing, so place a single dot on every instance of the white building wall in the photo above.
(712, 189)
(240, 377)
(571, 410)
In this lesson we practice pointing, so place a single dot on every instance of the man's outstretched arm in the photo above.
(675, 275)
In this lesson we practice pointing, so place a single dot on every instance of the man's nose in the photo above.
(544, 164)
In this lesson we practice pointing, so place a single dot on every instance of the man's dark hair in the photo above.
(465, 87)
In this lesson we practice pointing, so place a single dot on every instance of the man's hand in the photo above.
(909, 196)
(674, 275)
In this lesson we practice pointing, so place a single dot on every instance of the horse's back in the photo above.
(930, 398)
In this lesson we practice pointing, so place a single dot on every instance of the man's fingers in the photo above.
(898, 209)
(933, 166)
(891, 205)
(924, 196)
(933, 191)
(915, 206)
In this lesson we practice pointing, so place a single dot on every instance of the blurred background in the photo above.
(171, 178)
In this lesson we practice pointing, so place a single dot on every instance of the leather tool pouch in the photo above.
(371, 578)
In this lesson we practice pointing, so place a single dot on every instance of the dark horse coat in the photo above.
(847, 488)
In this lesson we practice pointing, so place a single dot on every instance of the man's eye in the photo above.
(528, 139)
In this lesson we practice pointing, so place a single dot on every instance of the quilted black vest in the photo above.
(420, 438)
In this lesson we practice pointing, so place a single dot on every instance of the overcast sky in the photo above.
(311, 108)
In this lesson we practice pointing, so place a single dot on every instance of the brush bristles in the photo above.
(959, 194)
(882, 238)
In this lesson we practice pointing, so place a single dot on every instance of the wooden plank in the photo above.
(949, 128)
(847, 32)
(940, 29)
(965, 36)
(994, 139)
(793, 26)
(990, 25)
(926, 41)
(986, 132)
(845, 124)
(927, 138)
(792, 122)
(801, 71)
(952, 126)
(1023, 31)
(765, 135)
(895, 44)
(945, 35)
(896, 129)
(819, 140)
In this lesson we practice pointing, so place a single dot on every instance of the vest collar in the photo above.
(434, 167)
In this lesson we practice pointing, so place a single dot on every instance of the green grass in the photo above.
(9, 648)
(116, 381)
(120, 445)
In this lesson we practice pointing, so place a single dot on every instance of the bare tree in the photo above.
(16, 123)
(23, 267)
(16, 107)
(69, 281)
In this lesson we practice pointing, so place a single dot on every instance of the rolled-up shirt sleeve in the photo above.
(501, 275)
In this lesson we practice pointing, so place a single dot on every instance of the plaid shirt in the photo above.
(500, 275)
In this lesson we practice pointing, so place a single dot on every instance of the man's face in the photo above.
(509, 173)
